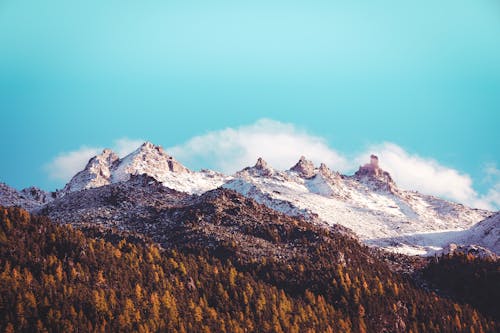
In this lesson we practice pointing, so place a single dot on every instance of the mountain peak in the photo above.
(261, 168)
(374, 174)
(304, 167)
(261, 164)
(324, 169)
(107, 152)
(148, 144)
(149, 159)
(96, 173)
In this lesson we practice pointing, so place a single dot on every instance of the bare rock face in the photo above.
(372, 174)
(260, 169)
(97, 172)
(29, 198)
(263, 168)
(304, 168)
(261, 164)
(108, 168)
(37, 195)
(474, 250)
(329, 174)
(149, 159)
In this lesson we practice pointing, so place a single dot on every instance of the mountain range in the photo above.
(151, 192)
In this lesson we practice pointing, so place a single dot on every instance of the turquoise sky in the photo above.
(422, 74)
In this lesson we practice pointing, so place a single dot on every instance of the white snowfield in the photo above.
(369, 203)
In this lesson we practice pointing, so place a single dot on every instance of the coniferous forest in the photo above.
(56, 278)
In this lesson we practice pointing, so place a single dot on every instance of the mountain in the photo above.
(225, 264)
(486, 234)
(369, 203)
(149, 159)
(29, 198)
(142, 243)
(217, 217)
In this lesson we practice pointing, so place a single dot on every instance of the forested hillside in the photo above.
(468, 279)
(59, 279)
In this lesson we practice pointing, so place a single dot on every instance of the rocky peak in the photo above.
(304, 168)
(261, 164)
(327, 173)
(261, 168)
(96, 173)
(375, 175)
(38, 195)
(30, 198)
(152, 157)
(107, 157)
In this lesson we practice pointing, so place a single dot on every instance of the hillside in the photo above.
(58, 278)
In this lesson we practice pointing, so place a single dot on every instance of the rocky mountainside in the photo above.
(369, 202)
(29, 198)
(148, 159)
(226, 264)
(486, 234)
(214, 219)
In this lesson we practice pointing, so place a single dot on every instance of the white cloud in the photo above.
(491, 200)
(125, 146)
(280, 144)
(428, 176)
(67, 164)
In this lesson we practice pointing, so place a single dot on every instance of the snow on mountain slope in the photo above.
(29, 198)
(148, 159)
(486, 234)
(97, 172)
(369, 203)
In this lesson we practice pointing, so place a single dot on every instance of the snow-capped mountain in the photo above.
(369, 202)
(486, 234)
(108, 168)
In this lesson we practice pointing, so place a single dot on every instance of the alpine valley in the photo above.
(142, 243)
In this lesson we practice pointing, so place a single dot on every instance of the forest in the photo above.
(56, 278)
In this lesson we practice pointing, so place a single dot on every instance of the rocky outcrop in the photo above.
(29, 198)
(107, 168)
(474, 250)
(148, 159)
(96, 173)
(304, 168)
(373, 175)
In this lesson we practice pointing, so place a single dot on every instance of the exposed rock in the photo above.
(261, 164)
(37, 195)
(474, 250)
(29, 198)
(260, 169)
(217, 217)
(149, 159)
(96, 173)
(304, 168)
(486, 234)
(372, 174)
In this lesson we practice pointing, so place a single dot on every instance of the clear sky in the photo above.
(424, 75)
